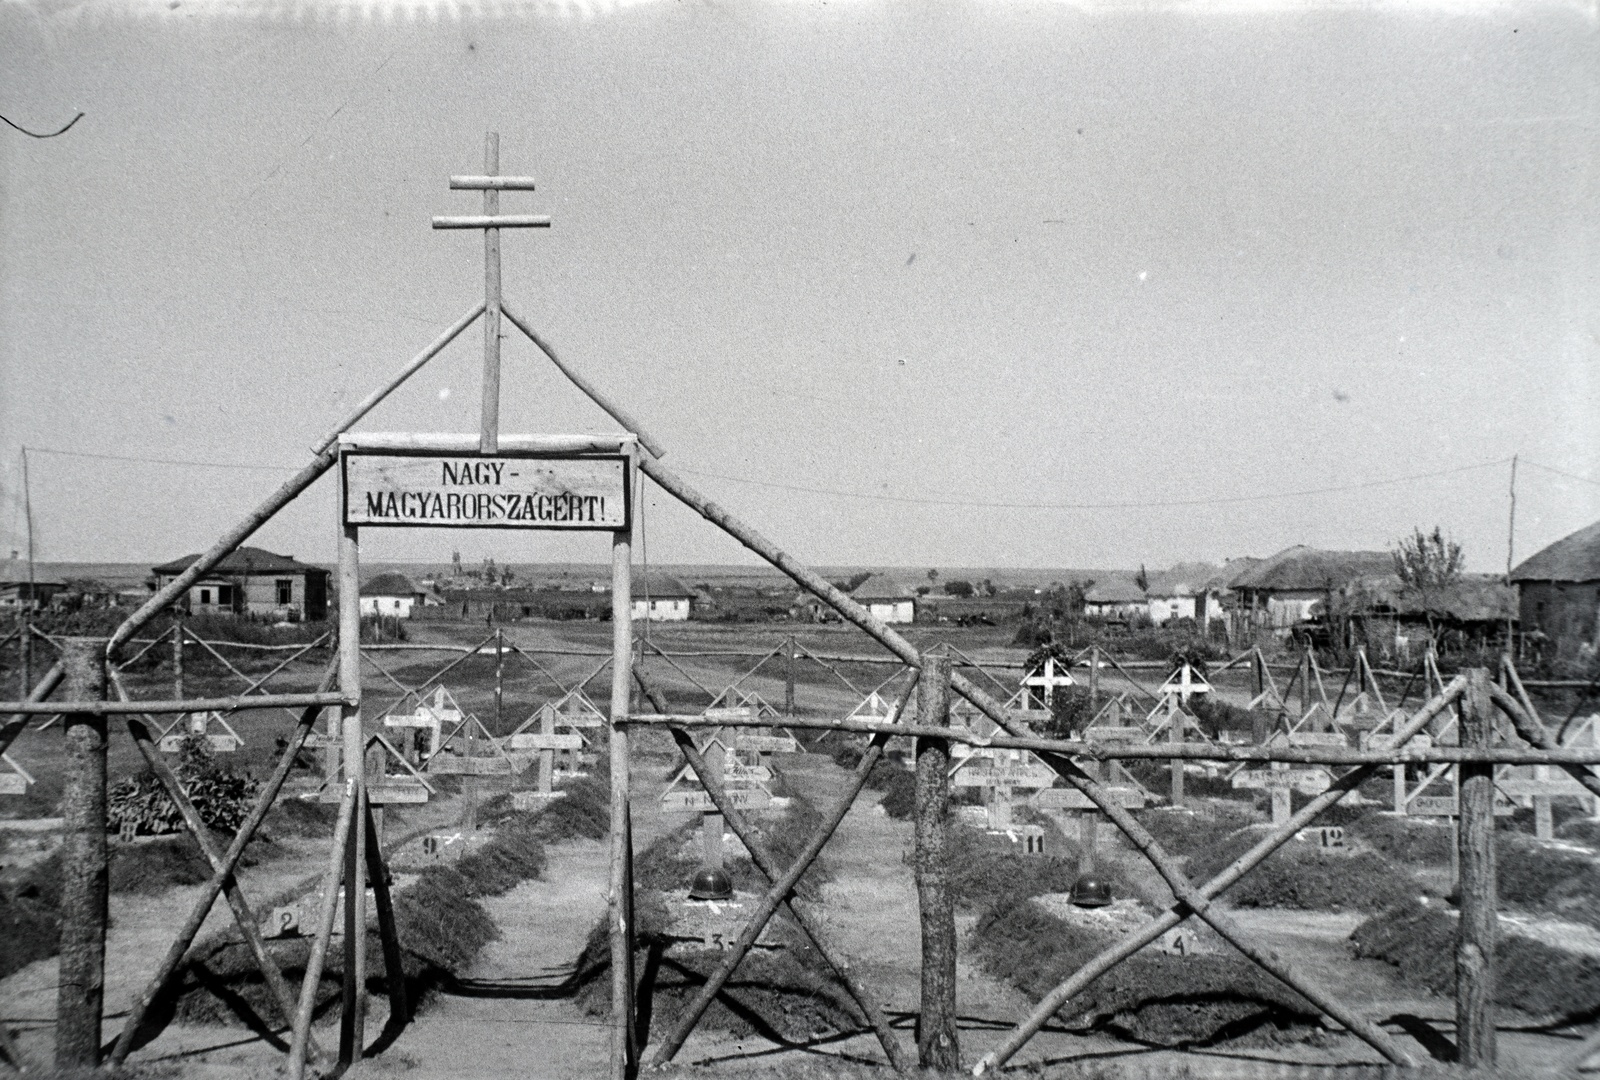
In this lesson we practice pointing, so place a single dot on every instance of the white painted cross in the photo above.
(1043, 681)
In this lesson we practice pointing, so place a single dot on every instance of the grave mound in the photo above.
(1199, 998)
(1550, 972)
(783, 988)
(1303, 875)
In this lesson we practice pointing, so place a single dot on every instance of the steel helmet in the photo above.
(711, 884)
(1091, 892)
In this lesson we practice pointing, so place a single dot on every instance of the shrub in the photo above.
(222, 797)
(30, 923)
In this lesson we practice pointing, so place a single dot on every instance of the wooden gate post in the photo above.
(1475, 944)
(353, 1006)
(624, 1050)
(937, 1045)
(81, 990)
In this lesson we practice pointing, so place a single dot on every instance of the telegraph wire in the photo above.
(1131, 505)
(1561, 472)
(160, 461)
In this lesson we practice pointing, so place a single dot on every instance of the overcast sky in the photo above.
(1059, 255)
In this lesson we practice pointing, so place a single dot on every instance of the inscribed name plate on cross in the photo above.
(468, 491)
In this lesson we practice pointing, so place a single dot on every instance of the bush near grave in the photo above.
(1190, 1000)
(221, 796)
(1419, 938)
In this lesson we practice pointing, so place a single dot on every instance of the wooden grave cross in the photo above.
(199, 724)
(686, 793)
(1041, 683)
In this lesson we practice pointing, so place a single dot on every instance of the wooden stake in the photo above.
(1479, 924)
(81, 991)
(938, 1045)
(624, 1052)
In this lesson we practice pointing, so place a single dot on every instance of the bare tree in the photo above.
(1428, 563)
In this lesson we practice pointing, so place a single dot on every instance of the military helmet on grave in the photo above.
(711, 884)
(1090, 891)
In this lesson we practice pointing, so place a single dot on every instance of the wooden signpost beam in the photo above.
(80, 991)
(1478, 927)
(938, 1045)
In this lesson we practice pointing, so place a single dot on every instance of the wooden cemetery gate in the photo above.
(583, 482)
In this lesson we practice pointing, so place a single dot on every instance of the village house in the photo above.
(21, 590)
(886, 599)
(1117, 598)
(1281, 592)
(1559, 594)
(391, 595)
(1190, 591)
(252, 581)
(659, 598)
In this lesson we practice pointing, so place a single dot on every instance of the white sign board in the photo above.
(1318, 738)
(387, 794)
(1071, 798)
(769, 744)
(1448, 806)
(1517, 786)
(741, 798)
(13, 784)
(221, 744)
(468, 491)
(530, 740)
(450, 765)
(1003, 775)
(1305, 781)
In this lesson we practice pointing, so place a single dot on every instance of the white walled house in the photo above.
(391, 596)
(891, 602)
(252, 581)
(1116, 598)
(658, 598)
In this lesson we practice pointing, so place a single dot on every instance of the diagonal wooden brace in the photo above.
(1531, 729)
(783, 882)
(242, 914)
(1099, 965)
(208, 896)
(994, 710)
